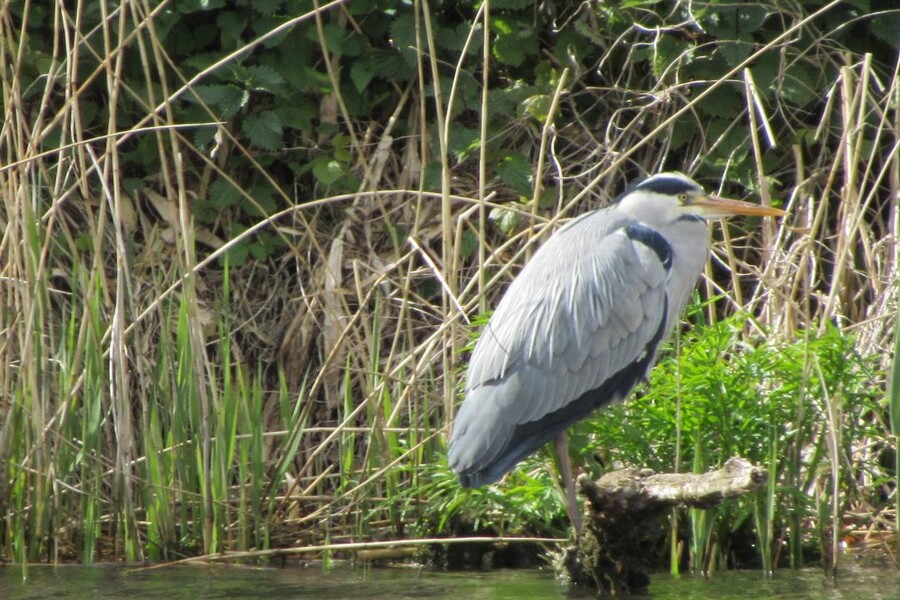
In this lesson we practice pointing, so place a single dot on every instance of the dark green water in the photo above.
(369, 584)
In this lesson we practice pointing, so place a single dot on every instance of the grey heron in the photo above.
(580, 325)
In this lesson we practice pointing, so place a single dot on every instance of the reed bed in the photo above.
(174, 385)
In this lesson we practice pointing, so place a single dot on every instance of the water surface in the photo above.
(293, 581)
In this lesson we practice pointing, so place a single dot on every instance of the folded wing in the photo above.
(577, 329)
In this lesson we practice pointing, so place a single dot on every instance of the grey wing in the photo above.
(576, 329)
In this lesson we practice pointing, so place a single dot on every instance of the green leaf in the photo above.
(145, 153)
(133, 184)
(463, 140)
(192, 6)
(338, 41)
(308, 78)
(342, 148)
(727, 139)
(264, 130)
(735, 51)
(505, 101)
(668, 51)
(468, 244)
(403, 34)
(260, 251)
(639, 3)
(537, 107)
(361, 73)
(209, 94)
(236, 255)
(232, 24)
(266, 7)
(683, 131)
(228, 99)
(264, 77)
(764, 73)
(263, 200)
(863, 6)
(508, 52)
(397, 233)
(297, 112)
(362, 7)
(431, 177)
(724, 101)
(505, 220)
(454, 38)
(886, 27)
(511, 4)
(799, 85)
(233, 102)
(327, 170)
(517, 172)
(222, 193)
(515, 41)
(387, 64)
(750, 18)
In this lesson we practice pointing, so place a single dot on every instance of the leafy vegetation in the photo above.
(241, 241)
(776, 403)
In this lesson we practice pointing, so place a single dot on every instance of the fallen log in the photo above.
(623, 520)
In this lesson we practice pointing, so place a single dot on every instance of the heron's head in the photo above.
(667, 197)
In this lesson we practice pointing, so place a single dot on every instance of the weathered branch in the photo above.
(639, 490)
(622, 519)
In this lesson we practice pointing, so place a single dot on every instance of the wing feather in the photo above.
(584, 309)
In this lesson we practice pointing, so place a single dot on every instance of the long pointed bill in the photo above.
(715, 207)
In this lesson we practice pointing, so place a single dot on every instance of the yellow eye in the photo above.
(683, 198)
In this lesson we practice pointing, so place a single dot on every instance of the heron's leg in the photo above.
(565, 465)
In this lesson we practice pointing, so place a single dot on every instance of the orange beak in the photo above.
(714, 207)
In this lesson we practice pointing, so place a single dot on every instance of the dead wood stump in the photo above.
(623, 520)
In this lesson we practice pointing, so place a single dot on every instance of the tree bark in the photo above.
(623, 520)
